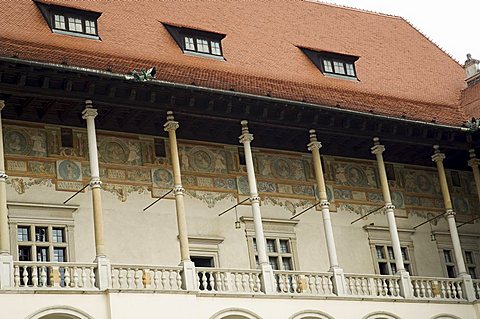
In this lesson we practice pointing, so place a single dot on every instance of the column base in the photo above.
(405, 283)
(468, 289)
(338, 281)
(189, 276)
(6, 271)
(104, 273)
(269, 284)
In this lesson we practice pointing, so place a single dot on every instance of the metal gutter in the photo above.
(127, 77)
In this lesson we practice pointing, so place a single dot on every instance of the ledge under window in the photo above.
(70, 21)
(197, 42)
(333, 64)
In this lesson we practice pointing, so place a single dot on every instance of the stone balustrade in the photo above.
(372, 286)
(438, 288)
(50, 275)
(86, 276)
(298, 283)
(234, 281)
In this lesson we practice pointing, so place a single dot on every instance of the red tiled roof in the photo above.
(401, 73)
(471, 101)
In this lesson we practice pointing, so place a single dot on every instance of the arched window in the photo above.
(235, 313)
(445, 316)
(381, 315)
(311, 314)
(60, 312)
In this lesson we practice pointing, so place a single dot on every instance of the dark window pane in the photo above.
(67, 137)
(41, 234)
(271, 247)
(471, 271)
(380, 252)
(284, 246)
(42, 254)
(273, 262)
(287, 263)
(451, 272)
(24, 253)
(469, 257)
(383, 268)
(241, 156)
(160, 148)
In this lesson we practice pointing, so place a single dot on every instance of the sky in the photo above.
(452, 25)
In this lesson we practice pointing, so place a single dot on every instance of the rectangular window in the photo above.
(160, 147)
(278, 252)
(41, 234)
(189, 44)
(66, 137)
(202, 46)
(470, 263)
(59, 22)
(57, 235)
(215, 47)
(338, 67)
(449, 263)
(24, 253)
(59, 255)
(75, 25)
(350, 69)
(390, 170)
(386, 259)
(327, 66)
(23, 233)
(90, 27)
(455, 179)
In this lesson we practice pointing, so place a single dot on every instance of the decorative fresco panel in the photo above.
(68, 170)
(202, 159)
(281, 167)
(418, 181)
(460, 205)
(113, 150)
(18, 166)
(304, 190)
(355, 175)
(225, 183)
(343, 194)
(162, 177)
(44, 168)
(139, 175)
(25, 141)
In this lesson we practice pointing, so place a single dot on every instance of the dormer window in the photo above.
(334, 64)
(64, 20)
(197, 42)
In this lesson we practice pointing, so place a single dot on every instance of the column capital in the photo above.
(314, 143)
(450, 213)
(254, 198)
(437, 155)
(178, 190)
(3, 176)
(95, 182)
(89, 110)
(2, 104)
(246, 136)
(171, 124)
(377, 148)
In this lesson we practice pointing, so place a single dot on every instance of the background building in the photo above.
(205, 226)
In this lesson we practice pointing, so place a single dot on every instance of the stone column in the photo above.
(473, 163)
(405, 284)
(6, 260)
(268, 279)
(103, 270)
(438, 158)
(338, 275)
(189, 277)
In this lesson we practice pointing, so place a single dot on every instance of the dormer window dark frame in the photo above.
(335, 64)
(70, 21)
(193, 41)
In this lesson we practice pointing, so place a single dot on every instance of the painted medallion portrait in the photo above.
(201, 159)
(69, 170)
(356, 176)
(16, 142)
(162, 177)
(282, 168)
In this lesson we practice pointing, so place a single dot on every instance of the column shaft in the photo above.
(171, 126)
(473, 163)
(314, 146)
(4, 232)
(245, 139)
(457, 248)
(89, 115)
(378, 150)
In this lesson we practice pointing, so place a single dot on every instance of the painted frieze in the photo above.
(202, 159)
(114, 150)
(355, 175)
(25, 141)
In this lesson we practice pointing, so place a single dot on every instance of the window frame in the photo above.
(278, 229)
(319, 58)
(380, 236)
(180, 34)
(49, 11)
(42, 216)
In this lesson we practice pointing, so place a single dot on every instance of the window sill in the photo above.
(204, 55)
(75, 34)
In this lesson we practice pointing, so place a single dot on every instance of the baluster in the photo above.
(251, 281)
(43, 276)
(327, 284)
(385, 287)
(351, 285)
(179, 280)
(35, 276)
(171, 279)
(444, 292)
(146, 279)
(459, 291)
(454, 290)
(219, 281)
(311, 284)
(92, 277)
(237, 282)
(416, 289)
(379, 286)
(318, 283)
(426, 288)
(203, 282)
(211, 281)
(281, 283)
(137, 279)
(258, 284)
(288, 283)
(391, 288)
(449, 289)
(358, 286)
(244, 282)
(164, 278)
(25, 276)
(16, 276)
(75, 277)
(330, 284)
(121, 278)
(114, 278)
(156, 278)
(372, 286)
(294, 284)
(129, 278)
(67, 276)
(364, 282)
(84, 277)
(397, 288)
